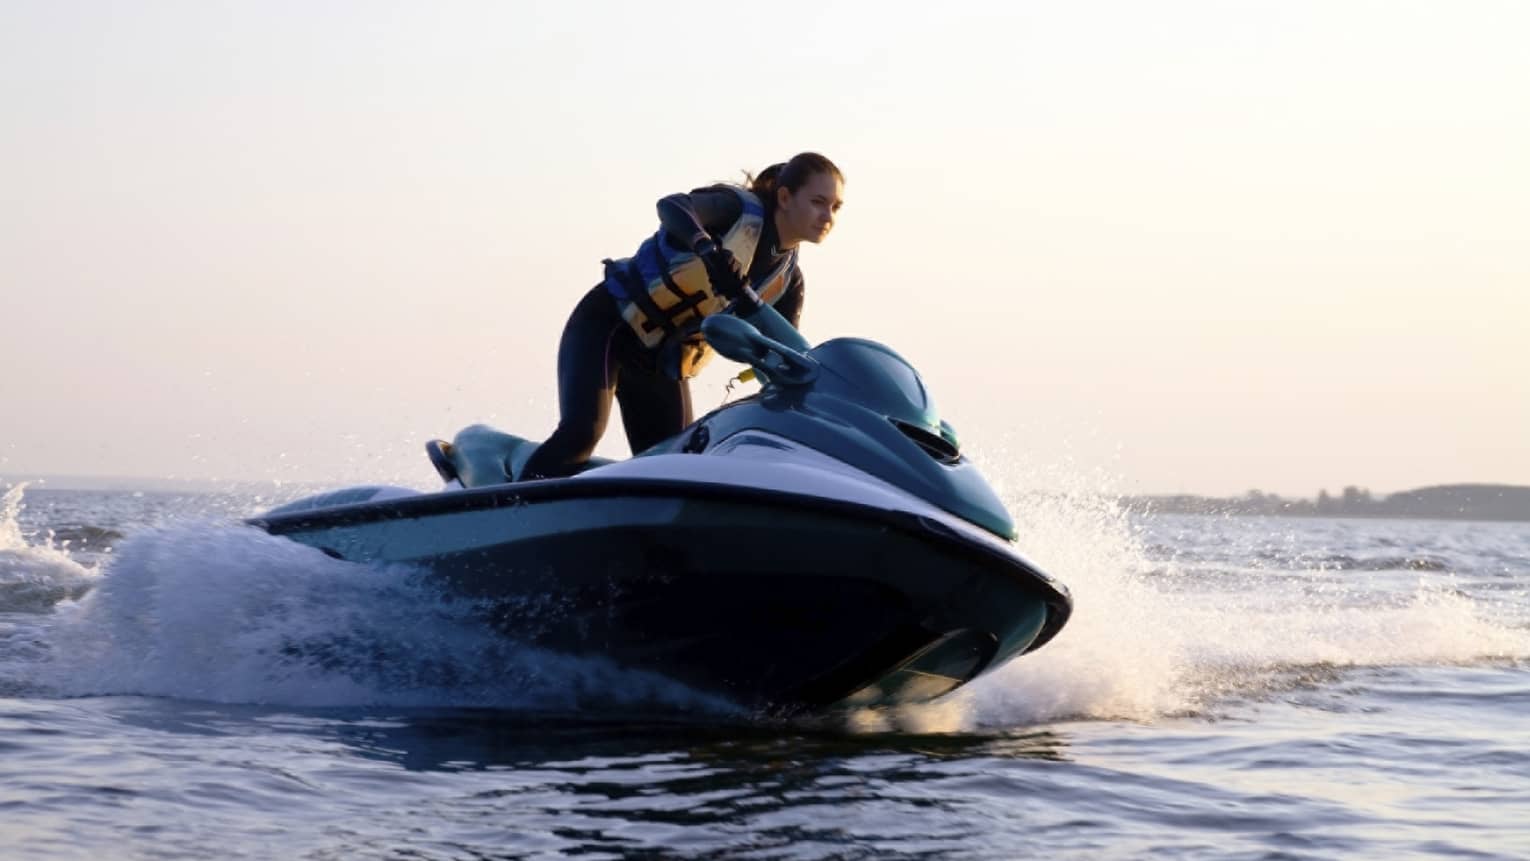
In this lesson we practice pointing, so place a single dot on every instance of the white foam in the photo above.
(227, 613)
(34, 576)
(1145, 645)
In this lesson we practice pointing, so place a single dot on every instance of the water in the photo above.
(173, 684)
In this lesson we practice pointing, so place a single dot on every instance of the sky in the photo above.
(1184, 246)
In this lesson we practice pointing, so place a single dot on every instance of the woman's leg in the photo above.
(587, 376)
(654, 407)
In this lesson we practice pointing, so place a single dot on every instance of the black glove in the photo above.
(723, 269)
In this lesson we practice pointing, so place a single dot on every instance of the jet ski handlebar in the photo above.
(740, 340)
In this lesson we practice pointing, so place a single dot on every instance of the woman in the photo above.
(637, 334)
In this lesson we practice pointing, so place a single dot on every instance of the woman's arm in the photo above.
(702, 214)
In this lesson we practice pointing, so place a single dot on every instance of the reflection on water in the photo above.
(592, 785)
(578, 744)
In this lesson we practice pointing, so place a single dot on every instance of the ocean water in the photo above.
(176, 685)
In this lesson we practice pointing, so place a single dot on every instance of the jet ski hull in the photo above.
(775, 600)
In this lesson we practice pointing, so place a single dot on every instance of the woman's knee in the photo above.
(578, 436)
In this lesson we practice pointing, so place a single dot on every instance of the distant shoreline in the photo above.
(1494, 502)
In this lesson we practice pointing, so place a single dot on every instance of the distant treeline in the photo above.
(1451, 501)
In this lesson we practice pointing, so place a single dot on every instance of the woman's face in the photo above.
(807, 215)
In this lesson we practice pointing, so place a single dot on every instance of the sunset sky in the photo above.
(1183, 246)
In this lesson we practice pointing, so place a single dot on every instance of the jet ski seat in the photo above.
(480, 455)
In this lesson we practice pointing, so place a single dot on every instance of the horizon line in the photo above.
(91, 481)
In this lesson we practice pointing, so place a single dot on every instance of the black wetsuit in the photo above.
(600, 356)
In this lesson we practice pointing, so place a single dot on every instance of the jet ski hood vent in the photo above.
(935, 445)
(884, 382)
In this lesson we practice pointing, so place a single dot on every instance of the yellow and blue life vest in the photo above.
(663, 290)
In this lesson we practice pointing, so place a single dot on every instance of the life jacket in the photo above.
(663, 290)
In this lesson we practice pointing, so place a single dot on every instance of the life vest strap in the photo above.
(687, 300)
(637, 294)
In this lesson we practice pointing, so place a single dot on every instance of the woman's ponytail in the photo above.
(764, 185)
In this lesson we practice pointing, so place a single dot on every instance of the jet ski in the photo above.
(823, 544)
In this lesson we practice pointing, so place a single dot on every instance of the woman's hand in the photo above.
(723, 269)
(728, 277)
